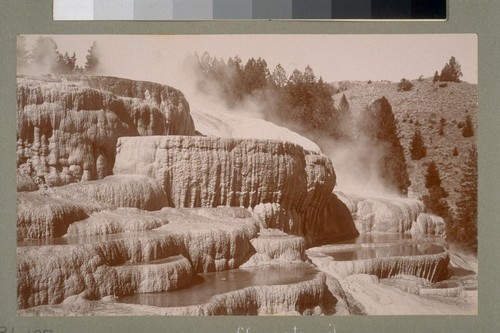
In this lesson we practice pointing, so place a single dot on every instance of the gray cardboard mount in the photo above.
(464, 16)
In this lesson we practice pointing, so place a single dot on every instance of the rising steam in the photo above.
(357, 162)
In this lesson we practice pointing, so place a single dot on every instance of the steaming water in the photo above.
(234, 125)
(207, 285)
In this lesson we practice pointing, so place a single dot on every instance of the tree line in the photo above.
(461, 225)
(45, 57)
(304, 102)
(451, 72)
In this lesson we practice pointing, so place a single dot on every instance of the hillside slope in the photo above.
(423, 107)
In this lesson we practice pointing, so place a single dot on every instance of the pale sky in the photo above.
(334, 57)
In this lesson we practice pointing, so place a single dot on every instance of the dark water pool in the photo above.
(207, 285)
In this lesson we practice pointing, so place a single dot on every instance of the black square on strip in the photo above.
(428, 9)
(351, 9)
(391, 9)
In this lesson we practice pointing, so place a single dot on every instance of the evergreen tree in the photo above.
(299, 97)
(323, 113)
(255, 75)
(279, 77)
(344, 120)
(436, 77)
(344, 104)
(379, 124)
(65, 64)
(309, 77)
(417, 146)
(451, 72)
(465, 227)
(435, 201)
(468, 129)
(432, 177)
(92, 60)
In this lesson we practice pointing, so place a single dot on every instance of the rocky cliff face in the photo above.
(67, 126)
(208, 172)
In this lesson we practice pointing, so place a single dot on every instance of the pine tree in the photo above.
(344, 104)
(279, 77)
(468, 129)
(451, 72)
(255, 75)
(436, 77)
(345, 119)
(432, 177)
(379, 125)
(465, 227)
(417, 146)
(309, 77)
(435, 201)
(65, 64)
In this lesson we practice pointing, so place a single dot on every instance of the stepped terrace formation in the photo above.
(123, 210)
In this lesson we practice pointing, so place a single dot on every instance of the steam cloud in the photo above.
(356, 163)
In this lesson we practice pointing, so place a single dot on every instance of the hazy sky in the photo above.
(334, 57)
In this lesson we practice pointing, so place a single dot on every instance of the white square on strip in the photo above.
(73, 10)
(113, 9)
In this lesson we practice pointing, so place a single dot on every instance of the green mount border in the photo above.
(465, 16)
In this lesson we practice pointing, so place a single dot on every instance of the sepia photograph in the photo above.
(249, 175)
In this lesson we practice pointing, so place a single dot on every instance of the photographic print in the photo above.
(201, 175)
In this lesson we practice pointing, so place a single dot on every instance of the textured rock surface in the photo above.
(117, 221)
(298, 298)
(432, 267)
(40, 216)
(308, 297)
(49, 274)
(389, 215)
(208, 172)
(48, 213)
(52, 273)
(375, 297)
(428, 224)
(275, 245)
(67, 126)
(115, 191)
